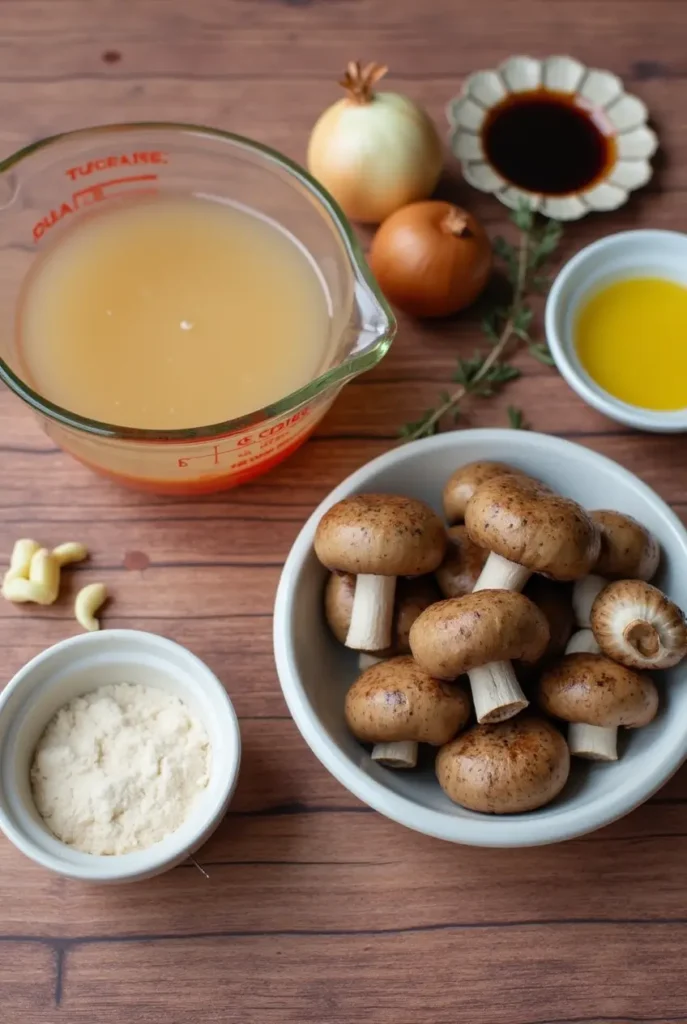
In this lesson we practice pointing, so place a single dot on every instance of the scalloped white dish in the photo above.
(619, 117)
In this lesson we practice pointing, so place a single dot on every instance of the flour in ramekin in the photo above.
(120, 768)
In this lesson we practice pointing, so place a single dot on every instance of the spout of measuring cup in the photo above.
(373, 326)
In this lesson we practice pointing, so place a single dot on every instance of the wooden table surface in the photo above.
(317, 909)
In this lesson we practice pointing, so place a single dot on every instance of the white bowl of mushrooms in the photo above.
(476, 651)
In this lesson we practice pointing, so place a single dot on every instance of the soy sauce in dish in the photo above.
(545, 141)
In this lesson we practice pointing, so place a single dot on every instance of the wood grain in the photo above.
(579, 972)
(316, 908)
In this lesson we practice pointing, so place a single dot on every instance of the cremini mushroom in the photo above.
(412, 597)
(596, 695)
(505, 768)
(378, 537)
(628, 551)
(395, 706)
(462, 564)
(338, 603)
(480, 634)
(462, 484)
(636, 624)
(527, 528)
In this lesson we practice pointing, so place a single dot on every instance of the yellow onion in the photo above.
(375, 152)
(431, 258)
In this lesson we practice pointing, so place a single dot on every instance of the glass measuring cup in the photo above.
(47, 186)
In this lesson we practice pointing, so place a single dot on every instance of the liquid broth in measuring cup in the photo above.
(172, 313)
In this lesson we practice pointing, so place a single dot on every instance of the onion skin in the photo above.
(375, 157)
(431, 259)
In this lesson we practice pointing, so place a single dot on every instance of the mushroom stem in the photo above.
(582, 642)
(585, 593)
(644, 637)
(496, 693)
(372, 613)
(501, 574)
(402, 754)
(366, 660)
(593, 742)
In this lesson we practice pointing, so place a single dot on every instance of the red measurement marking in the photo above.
(106, 189)
(268, 440)
(120, 160)
(94, 194)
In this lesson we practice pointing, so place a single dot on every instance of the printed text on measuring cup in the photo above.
(137, 184)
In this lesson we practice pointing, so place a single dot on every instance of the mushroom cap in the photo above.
(526, 523)
(381, 535)
(339, 592)
(505, 768)
(593, 690)
(628, 550)
(462, 633)
(462, 564)
(462, 484)
(412, 597)
(395, 701)
(636, 624)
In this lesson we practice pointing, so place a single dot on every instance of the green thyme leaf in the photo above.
(423, 427)
(516, 418)
(508, 254)
(522, 321)
(523, 217)
(540, 351)
(545, 244)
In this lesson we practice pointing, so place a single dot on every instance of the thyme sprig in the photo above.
(506, 327)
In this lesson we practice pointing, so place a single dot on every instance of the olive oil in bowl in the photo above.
(631, 339)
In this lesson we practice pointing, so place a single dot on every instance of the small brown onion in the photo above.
(431, 258)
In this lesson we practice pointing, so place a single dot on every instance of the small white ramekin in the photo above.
(76, 666)
(623, 255)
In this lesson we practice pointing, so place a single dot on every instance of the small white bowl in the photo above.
(76, 666)
(621, 117)
(617, 257)
(315, 672)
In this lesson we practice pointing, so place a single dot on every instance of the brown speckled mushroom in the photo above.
(338, 605)
(529, 529)
(462, 564)
(462, 484)
(505, 768)
(596, 696)
(396, 706)
(378, 537)
(412, 597)
(637, 625)
(628, 551)
(479, 634)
